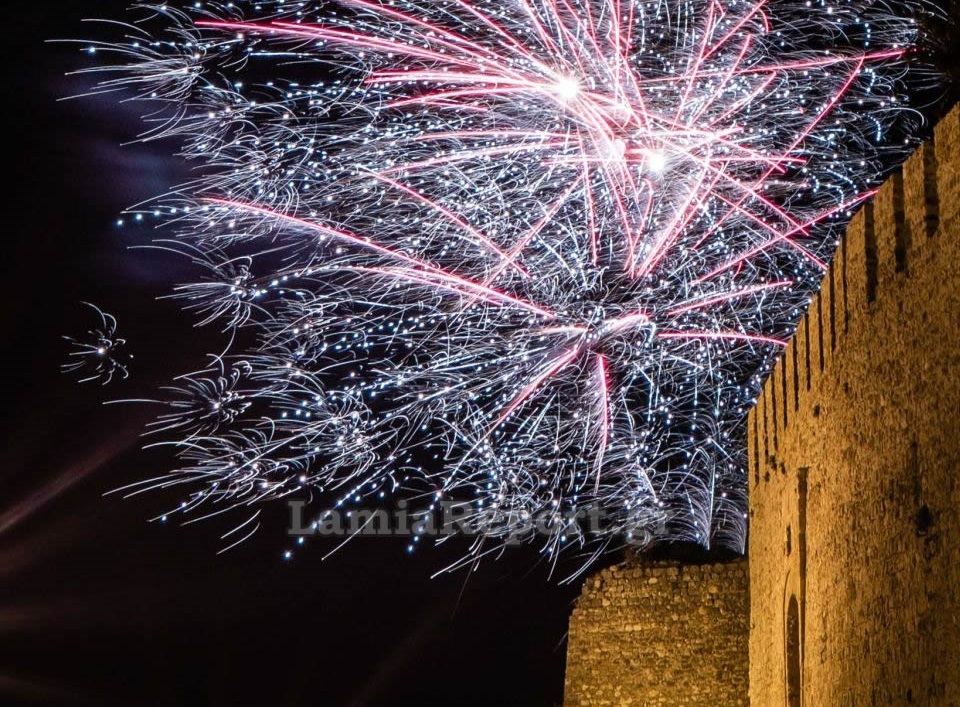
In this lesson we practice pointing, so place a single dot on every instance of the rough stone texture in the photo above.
(854, 450)
(658, 634)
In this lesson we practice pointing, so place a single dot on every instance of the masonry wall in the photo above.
(855, 464)
(660, 634)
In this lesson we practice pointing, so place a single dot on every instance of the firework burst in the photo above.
(99, 355)
(533, 256)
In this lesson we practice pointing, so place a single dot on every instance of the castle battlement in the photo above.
(854, 504)
(910, 223)
(854, 456)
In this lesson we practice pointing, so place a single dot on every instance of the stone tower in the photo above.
(658, 634)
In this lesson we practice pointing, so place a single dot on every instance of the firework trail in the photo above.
(99, 355)
(532, 256)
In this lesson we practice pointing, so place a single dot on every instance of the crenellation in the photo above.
(890, 232)
(946, 141)
(831, 310)
(796, 367)
(788, 359)
(754, 447)
(773, 408)
(855, 277)
(920, 198)
(783, 364)
(842, 314)
(764, 416)
(819, 346)
(786, 382)
(820, 309)
(807, 360)
(869, 258)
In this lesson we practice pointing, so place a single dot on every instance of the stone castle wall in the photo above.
(659, 634)
(855, 464)
(854, 449)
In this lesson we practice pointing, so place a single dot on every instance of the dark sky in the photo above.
(100, 607)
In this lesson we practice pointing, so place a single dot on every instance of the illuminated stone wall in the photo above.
(855, 464)
(854, 453)
(653, 635)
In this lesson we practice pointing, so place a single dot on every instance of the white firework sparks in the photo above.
(99, 355)
(534, 256)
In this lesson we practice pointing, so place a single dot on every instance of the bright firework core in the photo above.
(532, 255)
(567, 88)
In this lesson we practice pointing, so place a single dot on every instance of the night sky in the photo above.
(101, 607)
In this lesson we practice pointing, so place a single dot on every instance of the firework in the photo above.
(98, 355)
(531, 256)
